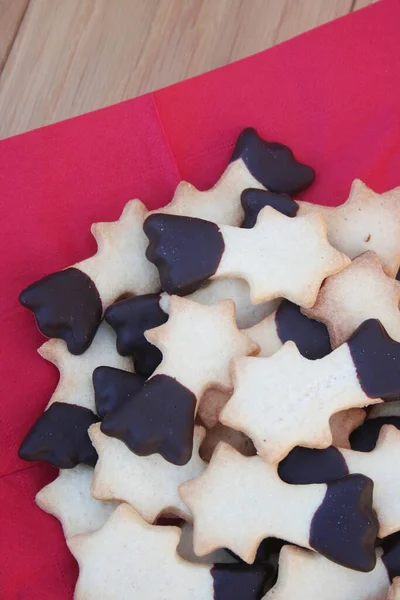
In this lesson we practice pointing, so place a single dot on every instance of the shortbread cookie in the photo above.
(288, 323)
(159, 418)
(286, 400)
(304, 466)
(247, 314)
(364, 438)
(112, 387)
(253, 201)
(117, 561)
(366, 221)
(278, 257)
(68, 498)
(394, 592)
(359, 292)
(255, 163)
(220, 204)
(305, 575)
(60, 437)
(69, 304)
(131, 317)
(75, 384)
(335, 519)
(148, 483)
(308, 576)
(207, 337)
(343, 424)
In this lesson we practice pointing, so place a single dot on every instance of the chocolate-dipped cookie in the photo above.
(69, 304)
(335, 519)
(275, 396)
(60, 437)
(188, 252)
(305, 466)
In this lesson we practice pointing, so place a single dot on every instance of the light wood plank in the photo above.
(363, 3)
(74, 56)
(11, 13)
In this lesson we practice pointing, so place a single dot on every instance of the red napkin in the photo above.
(332, 95)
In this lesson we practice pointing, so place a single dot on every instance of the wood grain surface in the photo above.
(62, 58)
(11, 15)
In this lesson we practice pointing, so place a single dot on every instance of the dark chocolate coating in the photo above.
(308, 465)
(158, 418)
(186, 251)
(398, 275)
(311, 337)
(376, 357)
(269, 549)
(391, 554)
(241, 581)
(66, 305)
(112, 387)
(268, 555)
(345, 526)
(253, 201)
(364, 438)
(272, 164)
(130, 318)
(60, 436)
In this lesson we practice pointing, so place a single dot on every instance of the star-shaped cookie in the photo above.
(359, 292)
(394, 592)
(286, 400)
(299, 246)
(306, 466)
(148, 483)
(366, 221)
(68, 498)
(129, 559)
(220, 204)
(159, 418)
(247, 313)
(306, 575)
(120, 266)
(206, 338)
(238, 501)
(255, 163)
(279, 256)
(75, 384)
(381, 465)
(69, 304)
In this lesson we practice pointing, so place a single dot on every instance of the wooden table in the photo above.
(61, 58)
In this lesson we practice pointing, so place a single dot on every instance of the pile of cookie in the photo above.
(228, 403)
